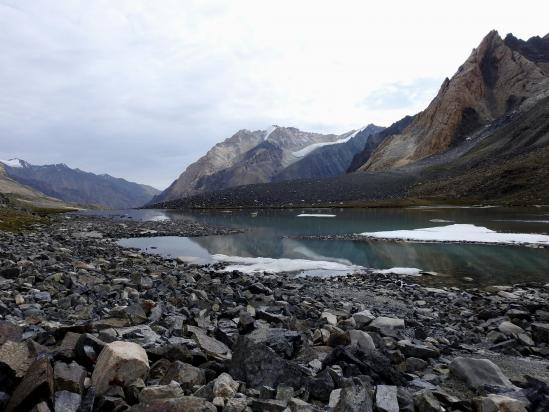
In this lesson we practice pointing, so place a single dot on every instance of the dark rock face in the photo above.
(77, 186)
(36, 386)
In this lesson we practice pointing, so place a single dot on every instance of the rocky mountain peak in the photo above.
(494, 80)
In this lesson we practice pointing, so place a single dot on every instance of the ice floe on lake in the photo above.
(271, 265)
(461, 233)
(440, 221)
(401, 271)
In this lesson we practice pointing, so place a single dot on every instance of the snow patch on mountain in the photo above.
(309, 149)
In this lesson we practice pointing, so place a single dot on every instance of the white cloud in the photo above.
(139, 89)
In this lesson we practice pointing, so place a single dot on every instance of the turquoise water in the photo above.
(271, 234)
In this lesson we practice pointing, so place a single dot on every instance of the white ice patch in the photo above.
(440, 221)
(461, 233)
(401, 271)
(314, 215)
(308, 149)
(159, 218)
(261, 264)
(12, 162)
(270, 131)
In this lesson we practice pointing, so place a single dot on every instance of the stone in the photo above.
(246, 323)
(415, 364)
(180, 404)
(36, 386)
(497, 403)
(225, 386)
(334, 398)
(69, 377)
(386, 398)
(478, 373)
(354, 397)
(284, 342)
(172, 390)
(10, 273)
(363, 318)
(329, 317)
(540, 332)
(298, 405)
(509, 328)
(16, 356)
(257, 365)
(410, 349)
(66, 401)
(321, 386)
(284, 393)
(268, 405)
(87, 349)
(9, 331)
(185, 374)
(425, 401)
(362, 340)
(120, 362)
(384, 322)
(67, 348)
(214, 348)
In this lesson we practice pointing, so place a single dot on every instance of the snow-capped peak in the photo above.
(270, 131)
(14, 162)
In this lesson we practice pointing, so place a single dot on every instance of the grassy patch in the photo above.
(12, 220)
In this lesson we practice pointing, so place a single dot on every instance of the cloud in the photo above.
(140, 89)
(401, 95)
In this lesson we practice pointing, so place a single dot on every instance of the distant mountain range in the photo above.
(263, 156)
(485, 136)
(75, 186)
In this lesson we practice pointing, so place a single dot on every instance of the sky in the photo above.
(141, 89)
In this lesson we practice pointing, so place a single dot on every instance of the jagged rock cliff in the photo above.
(499, 77)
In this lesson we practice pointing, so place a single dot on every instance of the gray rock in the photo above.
(384, 322)
(186, 375)
(36, 386)
(16, 356)
(509, 328)
(410, 349)
(354, 398)
(363, 318)
(540, 332)
(362, 340)
(120, 362)
(225, 386)
(172, 390)
(478, 373)
(425, 401)
(69, 377)
(66, 401)
(386, 398)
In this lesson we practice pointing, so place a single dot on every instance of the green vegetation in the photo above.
(14, 220)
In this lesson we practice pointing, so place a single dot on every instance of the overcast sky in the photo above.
(140, 89)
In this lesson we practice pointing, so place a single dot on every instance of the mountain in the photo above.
(484, 138)
(260, 156)
(499, 77)
(76, 186)
(325, 160)
(13, 191)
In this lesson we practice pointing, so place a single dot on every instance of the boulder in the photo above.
(354, 397)
(9, 331)
(509, 328)
(69, 377)
(121, 363)
(257, 365)
(540, 332)
(16, 356)
(410, 349)
(362, 340)
(496, 403)
(225, 386)
(478, 373)
(211, 346)
(386, 398)
(36, 386)
(66, 401)
(185, 374)
(363, 318)
(386, 323)
(172, 390)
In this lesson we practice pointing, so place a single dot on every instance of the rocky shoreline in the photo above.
(86, 325)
